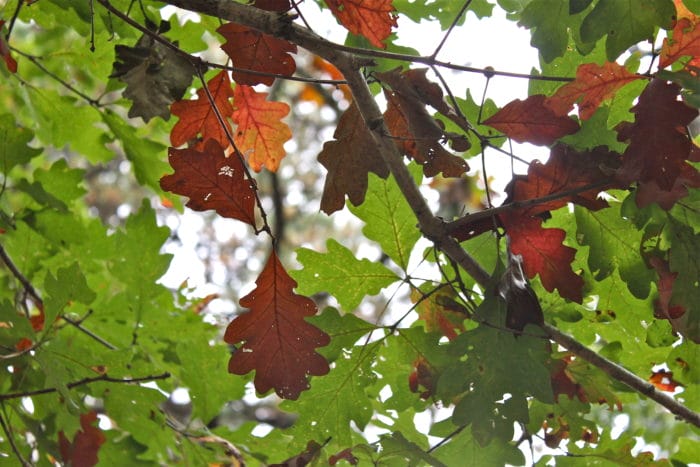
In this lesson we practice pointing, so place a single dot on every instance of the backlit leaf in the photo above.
(277, 342)
(10, 62)
(261, 134)
(197, 117)
(211, 181)
(532, 121)
(370, 18)
(83, 451)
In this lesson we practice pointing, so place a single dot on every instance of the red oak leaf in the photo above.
(370, 18)
(423, 378)
(82, 452)
(685, 41)
(5, 52)
(277, 342)
(348, 160)
(252, 50)
(593, 85)
(658, 139)
(565, 171)
(544, 254)
(260, 135)
(650, 192)
(663, 308)
(532, 121)
(197, 117)
(346, 455)
(663, 380)
(211, 181)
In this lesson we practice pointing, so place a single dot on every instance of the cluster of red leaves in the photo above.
(82, 451)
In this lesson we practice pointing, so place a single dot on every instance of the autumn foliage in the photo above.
(598, 241)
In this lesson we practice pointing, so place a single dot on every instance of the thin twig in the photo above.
(86, 381)
(11, 439)
(15, 15)
(452, 26)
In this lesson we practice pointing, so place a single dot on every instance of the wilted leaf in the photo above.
(658, 140)
(260, 135)
(155, 76)
(684, 42)
(82, 452)
(211, 181)
(593, 85)
(252, 50)
(349, 159)
(532, 121)
(197, 117)
(370, 18)
(277, 342)
(544, 254)
(439, 311)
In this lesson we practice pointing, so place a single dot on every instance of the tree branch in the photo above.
(85, 381)
(346, 60)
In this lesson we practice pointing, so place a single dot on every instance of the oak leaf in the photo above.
(260, 135)
(685, 41)
(663, 306)
(372, 19)
(197, 117)
(348, 159)
(277, 342)
(211, 181)
(658, 139)
(532, 121)
(83, 450)
(544, 254)
(260, 53)
(593, 85)
(10, 62)
(663, 380)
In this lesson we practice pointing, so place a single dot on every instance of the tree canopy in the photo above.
(386, 305)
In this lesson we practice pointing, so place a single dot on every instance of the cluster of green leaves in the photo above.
(88, 329)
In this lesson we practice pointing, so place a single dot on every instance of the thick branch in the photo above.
(348, 62)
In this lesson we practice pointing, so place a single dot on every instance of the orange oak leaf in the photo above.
(659, 143)
(440, 312)
(5, 52)
(663, 380)
(685, 41)
(544, 254)
(682, 11)
(332, 72)
(593, 85)
(260, 135)
(565, 171)
(532, 121)
(349, 159)
(261, 53)
(277, 342)
(372, 19)
(86, 443)
(197, 116)
(211, 181)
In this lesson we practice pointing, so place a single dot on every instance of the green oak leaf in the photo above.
(549, 21)
(69, 285)
(389, 220)
(344, 330)
(626, 22)
(615, 244)
(14, 150)
(463, 448)
(684, 252)
(396, 448)
(342, 275)
(444, 11)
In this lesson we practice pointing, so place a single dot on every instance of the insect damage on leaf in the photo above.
(278, 343)
(261, 134)
(211, 181)
(155, 76)
(197, 117)
(348, 159)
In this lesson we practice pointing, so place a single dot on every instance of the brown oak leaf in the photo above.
(197, 117)
(82, 452)
(372, 19)
(252, 50)
(211, 181)
(349, 159)
(260, 135)
(685, 41)
(303, 459)
(532, 121)
(277, 342)
(658, 139)
(593, 85)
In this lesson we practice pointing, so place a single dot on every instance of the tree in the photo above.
(539, 322)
